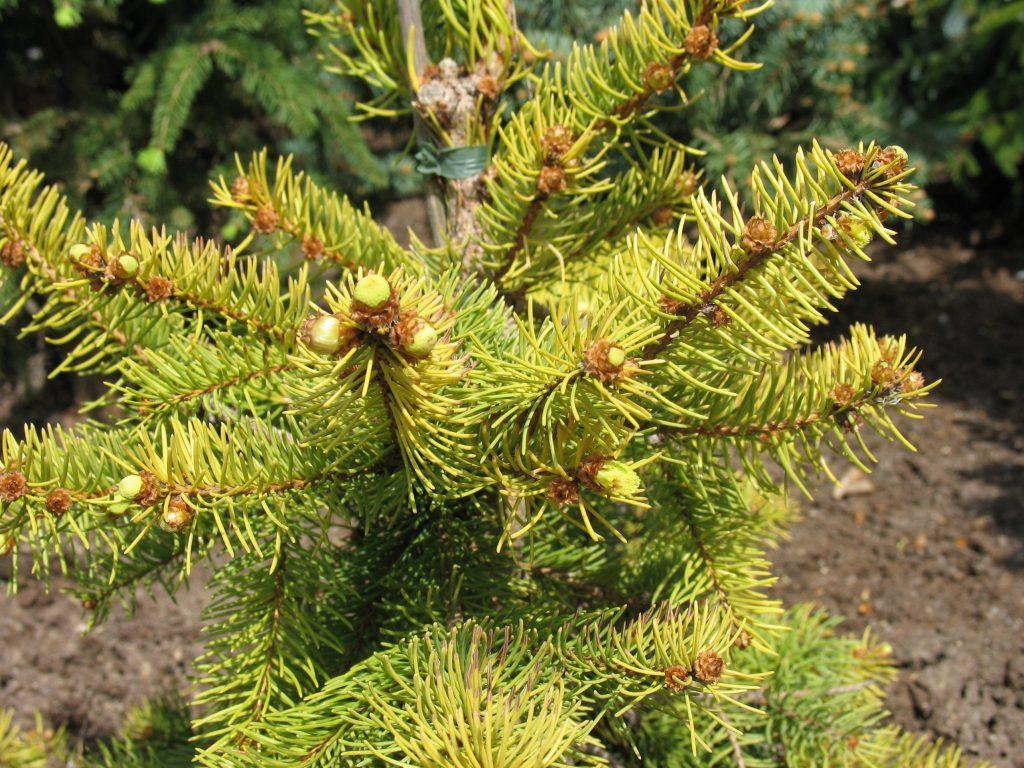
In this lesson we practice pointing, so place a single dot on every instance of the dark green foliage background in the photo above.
(101, 94)
(100, 104)
(134, 104)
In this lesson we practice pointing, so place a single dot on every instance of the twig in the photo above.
(736, 750)
(410, 19)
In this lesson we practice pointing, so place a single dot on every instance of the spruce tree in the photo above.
(502, 499)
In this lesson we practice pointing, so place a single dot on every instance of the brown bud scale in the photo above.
(149, 494)
(911, 382)
(658, 77)
(588, 469)
(663, 216)
(158, 288)
(556, 141)
(708, 667)
(892, 160)
(759, 236)
(12, 254)
(488, 87)
(716, 315)
(676, 677)
(883, 374)
(563, 491)
(850, 163)
(177, 517)
(672, 306)
(842, 394)
(405, 328)
(552, 179)
(265, 220)
(597, 364)
(240, 189)
(312, 247)
(379, 319)
(701, 42)
(687, 183)
(12, 486)
(59, 501)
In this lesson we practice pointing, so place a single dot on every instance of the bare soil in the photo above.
(928, 550)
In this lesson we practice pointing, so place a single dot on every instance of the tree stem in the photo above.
(410, 19)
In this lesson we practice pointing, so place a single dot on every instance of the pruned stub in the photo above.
(461, 102)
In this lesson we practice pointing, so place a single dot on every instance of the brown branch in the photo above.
(161, 489)
(50, 273)
(261, 691)
(519, 239)
(726, 281)
(768, 429)
(198, 302)
(97, 273)
(716, 584)
(736, 750)
(622, 113)
(765, 430)
(181, 397)
(410, 22)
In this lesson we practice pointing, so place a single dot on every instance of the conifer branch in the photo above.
(325, 225)
(753, 261)
(818, 231)
(472, 456)
(36, 229)
(286, 615)
(602, 89)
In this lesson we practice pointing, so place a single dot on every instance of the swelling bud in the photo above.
(129, 487)
(616, 357)
(325, 335)
(857, 231)
(67, 17)
(127, 266)
(372, 291)
(177, 517)
(617, 479)
(423, 341)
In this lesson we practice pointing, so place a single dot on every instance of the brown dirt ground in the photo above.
(929, 553)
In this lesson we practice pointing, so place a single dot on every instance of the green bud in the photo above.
(79, 250)
(617, 479)
(119, 508)
(858, 232)
(372, 291)
(129, 487)
(325, 335)
(66, 16)
(423, 341)
(152, 161)
(616, 356)
(900, 152)
(127, 266)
